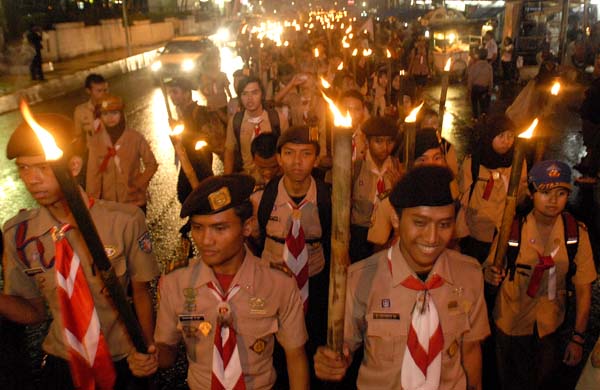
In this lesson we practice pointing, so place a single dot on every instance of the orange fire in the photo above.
(325, 83)
(412, 117)
(555, 88)
(51, 150)
(448, 64)
(339, 120)
(200, 144)
(529, 132)
(354, 52)
(388, 54)
(340, 66)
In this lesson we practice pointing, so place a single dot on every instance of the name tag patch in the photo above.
(386, 316)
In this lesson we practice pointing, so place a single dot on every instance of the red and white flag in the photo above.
(89, 357)
(295, 253)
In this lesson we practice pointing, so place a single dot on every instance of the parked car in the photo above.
(182, 56)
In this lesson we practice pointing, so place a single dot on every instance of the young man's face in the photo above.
(39, 179)
(297, 160)
(503, 142)
(356, 109)
(178, 96)
(219, 237)
(380, 147)
(432, 156)
(110, 118)
(97, 91)
(252, 97)
(550, 203)
(424, 233)
(268, 168)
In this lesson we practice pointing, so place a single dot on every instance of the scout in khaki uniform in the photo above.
(116, 153)
(417, 309)
(484, 184)
(372, 180)
(225, 305)
(530, 305)
(294, 218)
(354, 102)
(30, 257)
(86, 121)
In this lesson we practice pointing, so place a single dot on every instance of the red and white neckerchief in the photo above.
(295, 253)
(544, 263)
(256, 122)
(89, 357)
(422, 362)
(226, 365)
(380, 186)
(97, 123)
(111, 152)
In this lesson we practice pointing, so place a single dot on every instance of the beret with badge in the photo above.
(428, 185)
(218, 193)
(549, 174)
(298, 135)
(24, 141)
(380, 126)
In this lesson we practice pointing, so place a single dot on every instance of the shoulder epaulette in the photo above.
(281, 267)
(175, 265)
(23, 215)
(258, 187)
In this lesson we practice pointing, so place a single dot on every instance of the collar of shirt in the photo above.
(401, 270)
(387, 164)
(533, 236)
(44, 221)
(256, 119)
(311, 194)
(244, 276)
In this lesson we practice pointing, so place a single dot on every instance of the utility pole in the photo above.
(126, 27)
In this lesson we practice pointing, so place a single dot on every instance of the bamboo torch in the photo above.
(510, 205)
(85, 224)
(340, 228)
(444, 91)
(388, 55)
(410, 130)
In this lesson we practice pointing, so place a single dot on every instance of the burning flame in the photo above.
(345, 44)
(555, 88)
(412, 117)
(325, 83)
(529, 132)
(316, 52)
(349, 29)
(448, 64)
(367, 52)
(340, 66)
(177, 130)
(354, 52)
(200, 144)
(338, 119)
(388, 54)
(51, 150)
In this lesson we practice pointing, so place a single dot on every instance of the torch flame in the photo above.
(448, 64)
(177, 130)
(412, 117)
(354, 52)
(388, 54)
(349, 29)
(325, 83)
(367, 52)
(51, 150)
(555, 88)
(338, 119)
(200, 144)
(340, 66)
(316, 52)
(529, 132)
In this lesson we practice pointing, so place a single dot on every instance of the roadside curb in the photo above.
(68, 83)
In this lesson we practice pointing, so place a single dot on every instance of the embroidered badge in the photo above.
(145, 243)
(219, 199)
(386, 303)
(257, 305)
(205, 327)
(111, 251)
(452, 349)
(259, 346)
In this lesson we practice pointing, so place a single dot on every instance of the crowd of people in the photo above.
(428, 306)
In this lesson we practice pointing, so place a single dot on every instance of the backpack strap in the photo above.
(265, 208)
(514, 243)
(475, 163)
(274, 121)
(571, 230)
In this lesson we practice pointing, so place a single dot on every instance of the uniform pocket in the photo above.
(385, 336)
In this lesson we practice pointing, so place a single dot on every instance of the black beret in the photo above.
(218, 193)
(24, 141)
(428, 185)
(380, 126)
(179, 82)
(426, 139)
(298, 135)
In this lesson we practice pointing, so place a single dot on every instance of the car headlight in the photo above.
(156, 66)
(188, 65)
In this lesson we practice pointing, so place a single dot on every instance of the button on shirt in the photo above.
(267, 304)
(378, 315)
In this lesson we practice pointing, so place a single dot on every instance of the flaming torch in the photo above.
(325, 83)
(549, 109)
(186, 164)
(444, 91)
(340, 227)
(81, 214)
(410, 130)
(388, 55)
(510, 205)
(354, 53)
(341, 66)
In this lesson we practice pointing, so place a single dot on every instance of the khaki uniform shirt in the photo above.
(364, 188)
(124, 174)
(268, 303)
(85, 120)
(478, 217)
(246, 136)
(128, 248)
(515, 312)
(378, 315)
(379, 232)
(279, 224)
